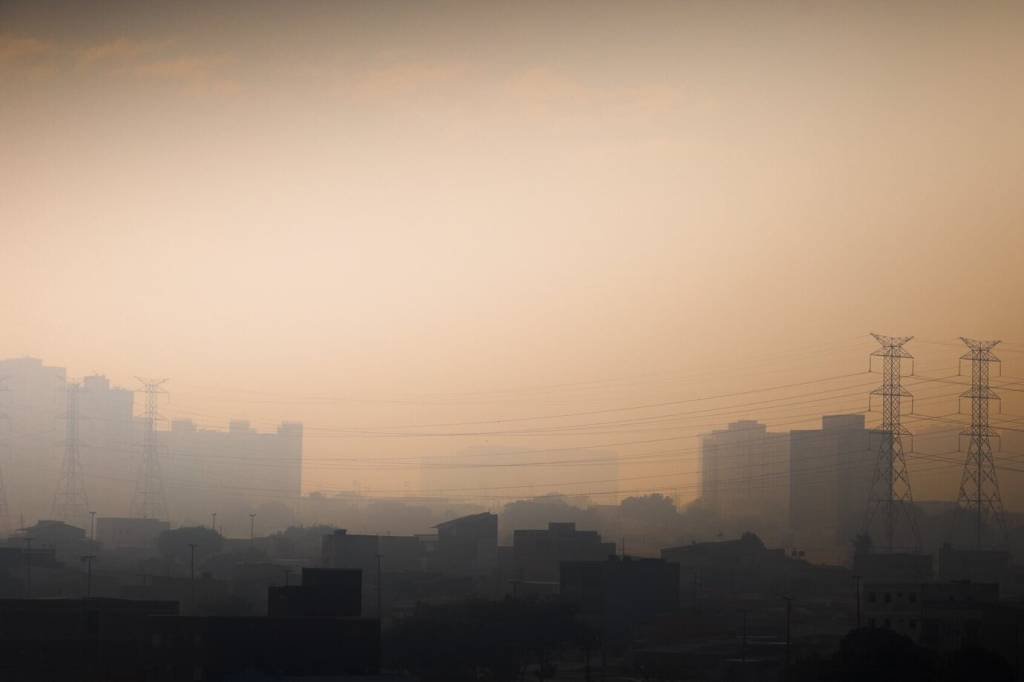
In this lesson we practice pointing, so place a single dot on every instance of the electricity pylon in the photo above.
(891, 496)
(70, 503)
(148, 501)
(979, 486)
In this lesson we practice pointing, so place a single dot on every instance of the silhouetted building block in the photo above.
(14, 558)
(401, 552)
(33, 397)
(623, 591)
(222, 648)
(250, 581)
(67, 542)
(944, 616)
(129, 533)
(342, 549)
(75, 639)
(732, 567)
(213, 462)
(893, 567)
(979, 565)
(208, 590)
(324, 593)
(468, 543)
(745, 472)
(830, 477)
(538, 553)
(106, 423)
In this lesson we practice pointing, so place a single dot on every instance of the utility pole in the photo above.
(213, 521)
(252, 530)
(380, 612)
(28, 568)
(979, 485)
(789, 618)
(70, 503)
(856, 583)
(87, 559)
(149, 501)
(695, 587)
(192, 562)
(92, 526)
(743, 640)
(890, 490)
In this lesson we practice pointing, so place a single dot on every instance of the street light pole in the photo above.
(192, 547)
(88, 573)
(743, 642)
(789, 612)
(380, 613)
(28, 568)
(856, 582)
(252, 530)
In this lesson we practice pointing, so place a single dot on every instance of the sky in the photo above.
(374, 216)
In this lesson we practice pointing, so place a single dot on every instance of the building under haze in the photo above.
(232, 472)
(32, 399)
(109, 443)
(745, 472)
(831, 473)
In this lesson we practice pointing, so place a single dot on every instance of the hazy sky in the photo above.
(387, 214)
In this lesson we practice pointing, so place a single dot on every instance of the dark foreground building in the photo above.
(621, 592)
(324, 593)
(314, 632)
(189, 649)
(76, 639)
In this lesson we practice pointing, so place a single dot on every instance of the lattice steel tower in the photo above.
(148, 501)
(70, 503)
(979, 486)
(891, 500)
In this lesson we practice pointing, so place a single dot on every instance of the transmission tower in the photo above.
(70, 503)
(148, 501)
(891, 497)
(979, 486)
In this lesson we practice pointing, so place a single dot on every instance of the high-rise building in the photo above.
(207, 470)
(831, 473)
(745, 472)
(30, 437)
(109, 441)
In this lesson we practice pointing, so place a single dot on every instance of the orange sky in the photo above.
(389, 214)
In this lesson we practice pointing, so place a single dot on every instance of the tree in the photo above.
(174, 544)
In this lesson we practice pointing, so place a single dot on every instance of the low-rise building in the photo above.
(622, 591)
(129, 533)
(537, 554)
(324, 593)
(944, 616)
(468, 543)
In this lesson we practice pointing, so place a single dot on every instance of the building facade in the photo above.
(745, 472)
(831, 474)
